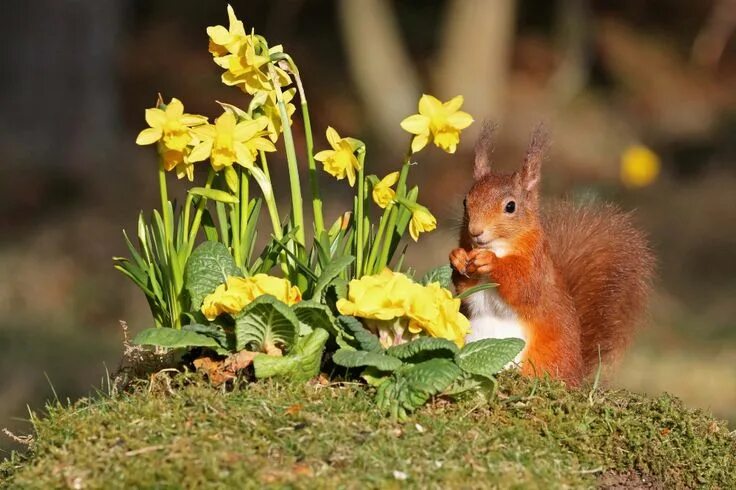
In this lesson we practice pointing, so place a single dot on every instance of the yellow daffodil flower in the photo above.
(222, 40)
(238, 292)
(264, 103)
(383, 194)
(421, 221)
(340, 161)
(639, 166)
(442, 122)
(171, 126)
(397, 308)
(229, 141)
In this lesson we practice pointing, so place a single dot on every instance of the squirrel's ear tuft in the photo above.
(483, 150)
(531, 172)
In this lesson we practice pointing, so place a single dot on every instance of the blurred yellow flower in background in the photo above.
(383, 194)
(229, 141)
(421, 221)
(442, 122)
(639, 166)
(238, 292)
(340, 161)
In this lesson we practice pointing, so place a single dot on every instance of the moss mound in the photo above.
(181, 432)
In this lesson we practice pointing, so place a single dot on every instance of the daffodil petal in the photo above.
(419, 141)
(175, 109)
(415, 124)
(324, 155)
(261, 144)
(243, 155)
(192, 120)
(333, 138)
(155, 118)
(429, 105)
(390, 179)
(454, 104)
(218, 34)
(460, 120)
(413, 231)
(148, 136)
(201, 152)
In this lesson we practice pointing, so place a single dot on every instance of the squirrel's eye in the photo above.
(510, 207)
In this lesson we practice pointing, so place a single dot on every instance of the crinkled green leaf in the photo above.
(266, 321)
(486, 357)
(313, 315)
(423, 348)
(441, 274)
(413, 384)
(363, 339)
(226, 345)
(209, 266)
(301, 363)
(173, 339)
(360, 358)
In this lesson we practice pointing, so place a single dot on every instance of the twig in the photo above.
(26, 440)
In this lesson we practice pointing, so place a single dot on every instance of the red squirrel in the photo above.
(572, 279)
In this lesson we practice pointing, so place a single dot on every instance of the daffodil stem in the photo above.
(394, 214)
(198, 216)
(359, 224)
(297, 216)
(267, 191)
(319, 222)
(163, 190)
(244, 211)
(376, 245)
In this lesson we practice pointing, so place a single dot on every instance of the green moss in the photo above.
(534, 434)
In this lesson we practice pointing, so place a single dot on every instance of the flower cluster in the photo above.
(399, 308)
(238, 292)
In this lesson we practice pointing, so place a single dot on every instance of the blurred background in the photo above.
(640, 98)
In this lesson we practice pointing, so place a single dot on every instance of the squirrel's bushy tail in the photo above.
(607, 267)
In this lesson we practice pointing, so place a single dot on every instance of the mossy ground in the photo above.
(181, 432)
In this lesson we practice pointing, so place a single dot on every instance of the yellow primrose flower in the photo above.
(341, 160)
(440, 121)
(228, 141)
(383, 194)
(421, 221)
(238, 292)
(170, 126)
(639, 166)
(222, 40)
(397, 308)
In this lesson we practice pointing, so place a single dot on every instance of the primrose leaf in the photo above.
(302, 363)
(173, 339)
(313, 315)
(213, 331)
(333, 269)
(359, 358)
(363, 339)
(209, 266)
(424, 348)
(486, 357)
(441, 274)
(264, 323)
(413, 384)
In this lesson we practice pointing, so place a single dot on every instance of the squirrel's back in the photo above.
(607, 267)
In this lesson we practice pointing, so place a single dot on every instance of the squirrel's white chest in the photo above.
(491, 318)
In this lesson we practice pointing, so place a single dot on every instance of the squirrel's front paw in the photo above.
(459, 260)
(480, 261)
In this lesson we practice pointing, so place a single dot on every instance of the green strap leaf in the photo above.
(486, 357)
(424, 348)
(476, 289)
(301, 364)
(441, 274)
(266, 321)
(209, 266)
(359, 358)
(333, 269)
(214, 194)
(173, 339)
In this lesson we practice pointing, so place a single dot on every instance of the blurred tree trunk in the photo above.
(58, 89)
(474, 57)
(381, 68)
(575, 40)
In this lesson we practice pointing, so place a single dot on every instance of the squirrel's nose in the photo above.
(475, 232)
